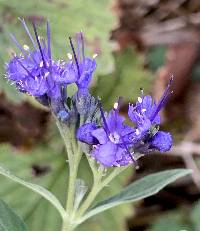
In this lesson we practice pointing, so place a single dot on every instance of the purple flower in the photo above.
(161, 141)
(35, 72)
(108, 140)
(145, 113)
(82, 67)
(84, 133)
(115, 143)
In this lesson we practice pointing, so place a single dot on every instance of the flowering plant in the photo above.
(108, 142)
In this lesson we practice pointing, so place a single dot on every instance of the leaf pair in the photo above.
(138, 190)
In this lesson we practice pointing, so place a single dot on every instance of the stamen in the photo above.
(26, 48)
(78, 48)
(36, 78)
(46, 74)
(115, 106)
(139, 99)
(74, 53)
(24, 52)
(69, 55)
(39, 45)
(28, 32)
(142, 90)
(114, 137)
(163, 99)
(137, 132)
(13, 38)
(94, 56)
(49, 41)
(82, 45)
(103, 117)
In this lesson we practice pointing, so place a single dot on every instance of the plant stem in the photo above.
(112, 175)
(67, 226)
(86, 204)
(97, 187)
(73, 171)
(74, 156)
(64, 134)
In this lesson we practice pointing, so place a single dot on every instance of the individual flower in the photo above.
(145, 112)
(84, 134)
(161, 141)
(145, 116)
(108, 140)
(82, 67)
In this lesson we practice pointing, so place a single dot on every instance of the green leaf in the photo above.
(9, 220)
(36, 188)
(138, 190)
(33, 209)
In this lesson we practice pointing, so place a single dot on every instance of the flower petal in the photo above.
(100, 135)
(84, 133)
(106, 154)
(162, 141)
(115, 121)
(87, 68)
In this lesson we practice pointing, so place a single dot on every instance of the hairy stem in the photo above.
(98, 185)
(73, 171)
(74, 156)
(67, 226)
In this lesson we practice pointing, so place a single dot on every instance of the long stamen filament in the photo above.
(39, 45)
(82, 46)
(28, 32)
(49, 41)
(75, 57)
(162, 100)
(103, 117)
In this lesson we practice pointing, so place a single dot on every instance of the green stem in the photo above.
(97, 187)
(67, 226)
(74, 156)
(73, 171)
(112, 175)
(64, 133)
(93, 166)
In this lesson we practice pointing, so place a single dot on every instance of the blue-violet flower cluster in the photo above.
(36, 73)
(111, 141)
(117, 144)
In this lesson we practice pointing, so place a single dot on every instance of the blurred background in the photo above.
(140, 43)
